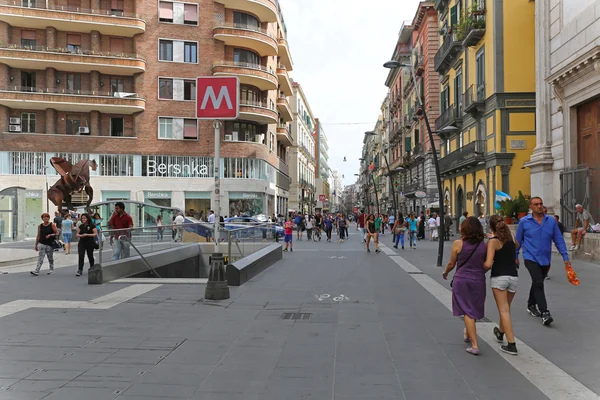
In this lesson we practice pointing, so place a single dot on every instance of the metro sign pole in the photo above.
(217, 98)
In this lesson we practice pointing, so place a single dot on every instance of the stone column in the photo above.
(51, 37)
(541, 161)
(3, 118)
(95, 82)
(51, 121)
(95, 123)
(50, 78)
(96, 43)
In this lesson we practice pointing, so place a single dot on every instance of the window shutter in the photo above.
(453, 16)
(190, 12)
(190, 130)
(165, 10)
(28, 35)
(116, 45)
(407, 144)
(74, 40)
(117, 5)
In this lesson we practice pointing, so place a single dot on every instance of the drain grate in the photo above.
(289, 315)
(416, 273)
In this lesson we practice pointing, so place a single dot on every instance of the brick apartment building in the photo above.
(114, 81)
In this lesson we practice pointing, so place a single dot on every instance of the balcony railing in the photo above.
(78, 52)
(73, 92)
(451, 116)
(470, 154)
(125, 133)
(474, 99)
(445, 55)
(471, 30)
(44, 6)
(412, 187)
(241, 64)
(246, 27)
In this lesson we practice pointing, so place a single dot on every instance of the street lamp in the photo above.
(371, 133)
(393, 64)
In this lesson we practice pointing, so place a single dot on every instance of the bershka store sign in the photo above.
(177, 167)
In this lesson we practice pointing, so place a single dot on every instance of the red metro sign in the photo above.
(217, 97)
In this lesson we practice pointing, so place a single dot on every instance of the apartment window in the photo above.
(73, 83)
(74, 43)
(28, 3)
(165, 50)
(117, 85)
(244, 20)
(28, 38)
(165, 128)
(117, 126)
(117, 7)
(246, 57)
(165, 11)
(165, 88)
(117, 45)
(250, 95)
(243, 132)
(189, 90)
(73, 124)
(460, 140)
(480, 77)
(458, 90)
(190, 52)
(28, 122)
(190, 129)
(272, 143)
(28, 81)
(190, 14)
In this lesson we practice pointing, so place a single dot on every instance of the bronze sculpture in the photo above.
(73, 178)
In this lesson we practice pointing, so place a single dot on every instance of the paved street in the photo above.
(376, 326)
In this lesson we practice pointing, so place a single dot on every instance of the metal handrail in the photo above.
(37, 90)
(66, 51)
(81, 10)
(125, 238)
(241, 64)
(232, 233)
(245, 27)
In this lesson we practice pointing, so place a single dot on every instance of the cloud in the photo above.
(338, 48)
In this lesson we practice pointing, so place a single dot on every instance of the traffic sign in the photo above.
(217, 97)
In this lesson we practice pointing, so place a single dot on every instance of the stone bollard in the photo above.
(95, 275)
(217, 287)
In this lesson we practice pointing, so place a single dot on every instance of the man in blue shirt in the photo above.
(535, 235)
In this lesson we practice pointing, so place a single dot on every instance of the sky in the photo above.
(338, 48)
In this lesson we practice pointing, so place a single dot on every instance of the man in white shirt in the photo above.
(211, 217)
(432, 223)
(179, 220)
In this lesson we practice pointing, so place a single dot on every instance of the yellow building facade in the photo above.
(486, 63)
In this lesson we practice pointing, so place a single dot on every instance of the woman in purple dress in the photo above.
(468, 285)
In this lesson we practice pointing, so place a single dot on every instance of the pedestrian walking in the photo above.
(535, 234)
(179, 220)
(67, 233)
(360, 224)
(289, 234)
(97, 221)
(391, 222)
(122, 223)
(58, 219)
(309, 221)
(468, 255)
(160, 227)
(87, 235)
(328, 224)
(412, 231)
(504, 278)
(432, 223)
(47, 234)
(372, 233)
(342, 227)
(422, 222)
(378, 222)
(399, 229)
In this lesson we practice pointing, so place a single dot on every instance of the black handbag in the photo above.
(464, 262)
(56, 244)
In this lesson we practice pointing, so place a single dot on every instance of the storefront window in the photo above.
(158, 199)
(243, 203)
(33, 211)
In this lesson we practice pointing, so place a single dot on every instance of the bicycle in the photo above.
(316, 234)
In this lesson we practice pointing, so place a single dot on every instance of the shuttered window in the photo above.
(190, 14)
(165, 13)
(190, 129)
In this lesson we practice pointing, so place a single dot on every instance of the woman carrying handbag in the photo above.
(87, 234)
(45, 243)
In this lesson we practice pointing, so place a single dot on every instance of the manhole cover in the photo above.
(296, 315)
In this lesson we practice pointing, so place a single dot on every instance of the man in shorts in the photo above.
(289, 234)
(583, 224)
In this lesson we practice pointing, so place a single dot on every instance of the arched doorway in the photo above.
(460, 200)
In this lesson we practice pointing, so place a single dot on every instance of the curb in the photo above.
(14, 263)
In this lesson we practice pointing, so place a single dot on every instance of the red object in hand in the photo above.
(572, 276)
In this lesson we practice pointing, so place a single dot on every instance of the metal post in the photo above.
(437, 169)
(216, 287)
(375, 190)
(391, 186)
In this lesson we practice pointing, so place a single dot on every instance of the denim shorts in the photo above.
(505, 282)
(67, 237)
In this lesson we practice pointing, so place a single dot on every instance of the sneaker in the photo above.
(395, 247)
(34, 273)
(547, 318)
(78, 273)
(51, 272)
(572, 247)
(368, 250)
(291, 249)
(285, 249)
(377, 251)
(473, 350)
(402, 247)
(533, 310)
(576, 247)
(499, 335)
(510, 348)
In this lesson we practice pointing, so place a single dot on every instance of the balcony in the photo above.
(257, 111)
(285, 57)
(472, 29)
(447, 53)
(307, 152)
(265, 10)
(285, 84)
(419, 65)
(70, 19)
(249, 74)
(474, 102)
(128, 133)
(285, 112)
(409, 189)
(84, 61)
(246, 36)
(284, 136)
(77, 101)
(451, 116)
(467, 156)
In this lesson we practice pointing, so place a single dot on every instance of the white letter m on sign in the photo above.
(210, 94)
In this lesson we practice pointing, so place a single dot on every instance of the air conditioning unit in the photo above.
(15, 121)
(14, 128)
(84, 130)
(228, 138)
